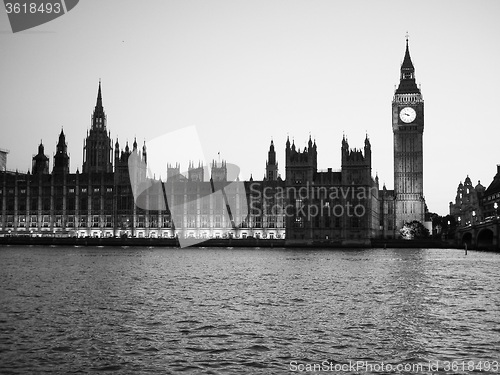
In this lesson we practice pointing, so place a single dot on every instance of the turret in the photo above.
(40, 161)
(61, 158)
(356, 164)
(368, 148)
(174, 172)
(98, 148)
(144, 154)
(300, 165)
(196, 174)
(271, 164)
(219, 173)
(344, 149)
(117, 151)
(287, 148)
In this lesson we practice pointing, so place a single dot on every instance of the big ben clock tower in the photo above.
(408, 129)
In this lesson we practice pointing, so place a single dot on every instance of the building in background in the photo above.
(491, 197)
(476, 214)
(99, 201)
(476, 204)
(343, 205)
(468, 207)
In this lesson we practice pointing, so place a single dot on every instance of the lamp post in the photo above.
(495, 206)
(473, 217)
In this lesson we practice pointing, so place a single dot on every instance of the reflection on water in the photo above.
(243, 311)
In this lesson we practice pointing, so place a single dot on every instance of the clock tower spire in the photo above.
(407, 82)
(408, 129)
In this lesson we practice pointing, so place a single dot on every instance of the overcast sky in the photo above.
(244, 72)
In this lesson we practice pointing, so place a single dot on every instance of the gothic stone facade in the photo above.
(475, 204)
(307, 205)
(406, 203)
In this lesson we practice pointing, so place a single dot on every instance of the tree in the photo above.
(414, 230)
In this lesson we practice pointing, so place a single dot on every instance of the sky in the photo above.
(245, 72)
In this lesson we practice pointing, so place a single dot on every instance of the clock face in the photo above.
(407, 114)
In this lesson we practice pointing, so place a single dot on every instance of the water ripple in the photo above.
(242, 311)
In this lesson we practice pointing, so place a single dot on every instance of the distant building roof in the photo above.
(495, 185)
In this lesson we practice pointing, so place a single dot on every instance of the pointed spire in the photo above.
(99, 97)
(271, 155)
(98, 117)
(407, 84)
(62, 141)
(144, 153)
(407, 63)
(134, 145)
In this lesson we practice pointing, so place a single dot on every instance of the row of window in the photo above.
(151, 222)
(493, 196)
(46, 191)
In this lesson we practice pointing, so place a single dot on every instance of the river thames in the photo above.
(243, 311)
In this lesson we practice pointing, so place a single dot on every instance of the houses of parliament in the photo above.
(101, 199)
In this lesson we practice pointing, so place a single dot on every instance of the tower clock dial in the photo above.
(407, 114)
